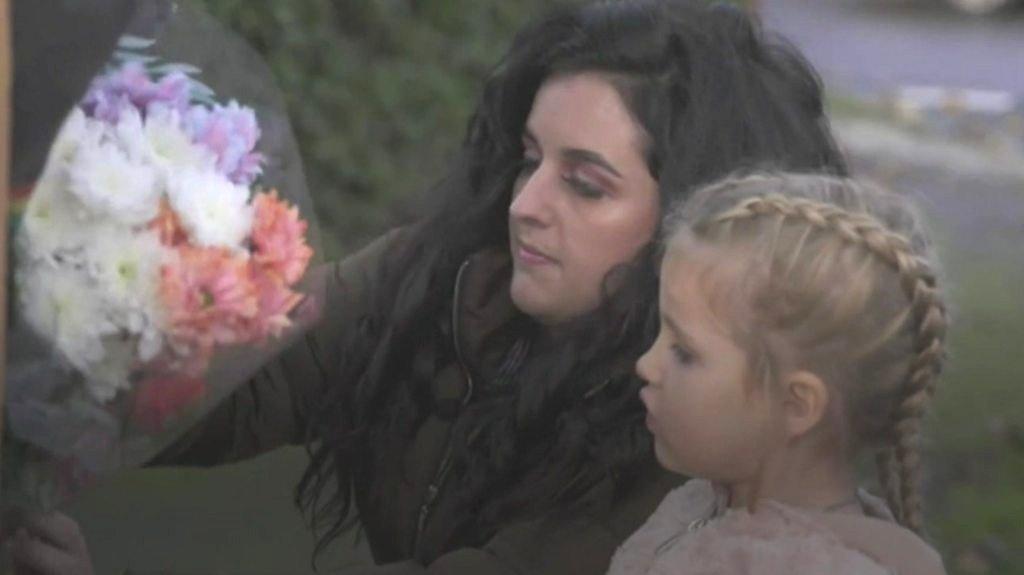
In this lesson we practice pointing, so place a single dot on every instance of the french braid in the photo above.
(843, 207)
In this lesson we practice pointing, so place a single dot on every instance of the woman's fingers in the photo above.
(56, 529)
(50, 544)
(36, 556)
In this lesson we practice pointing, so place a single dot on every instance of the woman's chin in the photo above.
(531, 299)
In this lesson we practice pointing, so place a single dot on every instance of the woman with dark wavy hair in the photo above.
(469, 398)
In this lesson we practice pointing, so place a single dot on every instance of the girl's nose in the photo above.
(646, 367)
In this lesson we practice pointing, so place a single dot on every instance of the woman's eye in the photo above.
(528, 165)
(584, 188)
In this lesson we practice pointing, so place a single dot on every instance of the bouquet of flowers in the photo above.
(151, 270)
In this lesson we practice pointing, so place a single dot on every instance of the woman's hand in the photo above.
(50, 544)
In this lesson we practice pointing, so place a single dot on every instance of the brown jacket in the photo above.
(404, 503)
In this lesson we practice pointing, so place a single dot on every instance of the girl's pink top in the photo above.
(858, 539)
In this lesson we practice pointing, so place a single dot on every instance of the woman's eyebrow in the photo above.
(576, 154)
(590, 157)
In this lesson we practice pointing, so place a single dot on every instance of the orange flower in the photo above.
(276, 301)
(168, 226)
(210, 298)
(278, 238)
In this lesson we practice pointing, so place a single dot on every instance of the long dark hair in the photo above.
(713, 94)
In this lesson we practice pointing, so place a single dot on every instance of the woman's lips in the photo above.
(531, 256)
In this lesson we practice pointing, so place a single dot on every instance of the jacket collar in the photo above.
(485, 322)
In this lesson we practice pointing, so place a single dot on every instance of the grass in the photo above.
(234, 519)
(977, 428)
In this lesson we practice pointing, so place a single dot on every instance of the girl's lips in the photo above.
(649, 420)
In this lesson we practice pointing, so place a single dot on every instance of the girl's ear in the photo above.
(804, 401)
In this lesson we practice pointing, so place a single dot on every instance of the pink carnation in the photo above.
(279, 238)
(160, 399)
(210, 298)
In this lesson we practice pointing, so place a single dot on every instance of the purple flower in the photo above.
(106, 105)
(231, 133)
(131, 85)
(172, 91)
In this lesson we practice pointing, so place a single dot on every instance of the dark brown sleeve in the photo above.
(271, 409)
(581, 546)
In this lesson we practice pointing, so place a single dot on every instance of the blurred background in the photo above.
(925, 95)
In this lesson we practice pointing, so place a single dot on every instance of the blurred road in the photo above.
(870, 46)
(969, 167)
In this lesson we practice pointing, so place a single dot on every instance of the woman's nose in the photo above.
(531, 202)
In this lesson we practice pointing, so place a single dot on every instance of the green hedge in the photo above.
(379, 91)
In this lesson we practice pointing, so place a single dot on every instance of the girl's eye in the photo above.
(582, 187)
(683, 355)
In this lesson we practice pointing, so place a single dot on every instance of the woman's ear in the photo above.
(805, 400)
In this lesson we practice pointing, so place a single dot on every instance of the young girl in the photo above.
(800, 325)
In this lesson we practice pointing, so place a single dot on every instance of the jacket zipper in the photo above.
(444, 467)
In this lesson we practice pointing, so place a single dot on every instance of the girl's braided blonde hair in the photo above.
(839, 278)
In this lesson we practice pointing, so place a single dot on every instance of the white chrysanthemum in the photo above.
(54, 220)
(76, 132)
(151, 342)
(161, 140)
(215, 212)
(111, 185)
(111, 374)
(60, 305)
(126, 268)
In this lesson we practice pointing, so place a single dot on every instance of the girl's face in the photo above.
(584, 201)
(708, 418)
